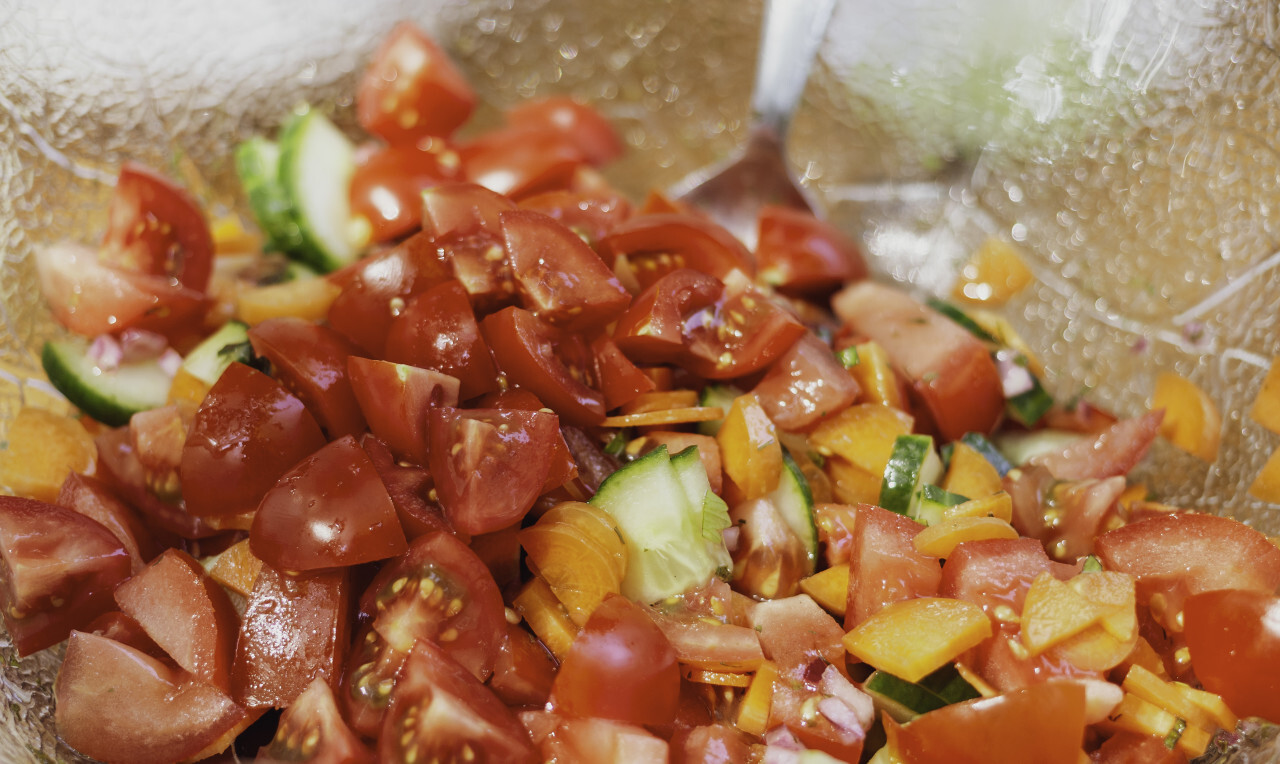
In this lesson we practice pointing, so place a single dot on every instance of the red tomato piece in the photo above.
(295, 631)
(996, 572)
(526, 351)
(121, 628)
(463, 209)
(564, 466)
(440, 711)
(387, 186)
(744, 334)
(408, 486)
(703, 640)
(310, 360)
(524, 670)
(1043, 724)
(438, 330)
(1126, 747)
(660, 244)
(1065, 516)
(587, 128)
(330, 510)
(311, 731)
(796, 631)
(950, 370)
(799, 254)
(560, 279)
(367, 682)
(605, 741)
(519, 161)
(246, 434)
(186, 613)
(90, 298)
(884, 566)
(157, 228)
(412, 89)
(1114, 452)
(167, 518)
(438, 590)
(378, 288)
(1234, 637)
(60, 568)
(490, 465)
(769, 559)
(807, 383)
(835, 528)
(590, 216)
(652, 329)
(95, 500)
(462, 218)
(711, 744)
(169, 715)
(395, 398)
(619, 647)
(621, 381)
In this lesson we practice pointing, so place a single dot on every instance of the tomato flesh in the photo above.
(799, 254)
(312, 731)
(395, 399)
(884, 566)
(1234, 638)
(589, 130)
(438, 330)
(95, 500)
(156, 228)
(311, 362)
(411, 89)
(387, 186)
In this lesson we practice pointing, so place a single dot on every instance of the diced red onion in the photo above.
(106, 353)
(731, 536)
(782, 738)
(835, 684)
(1014, 377)
(141, 345)
(840, 714)
(170, 361)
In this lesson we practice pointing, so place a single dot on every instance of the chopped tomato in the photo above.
(659, 244)
(711, 744)
(60, 569)
(95, 500)
(619, 647)
(310, 360)
(167, 515)
(743, 334)
(311, 731)
(412, 89)
(295, 631)
(587, 128)
(652, 329)
(799, 254)
(462, 219)
(522, 160)
(1114, 452)
(186, 613)
(701, 639)
(367, 682)
(795, 632)
(395, 399)
(1126, 747)
(805, 384)
(387, 186)
(590, 216)
(884, 566)
(408, 485)
(564, 465)
(246, 434)
(593, 739)
(158, 229)
(1065, 516)
(119, 627)
(621, 381)
(437, 330)
(524, 670)
(1234, 638)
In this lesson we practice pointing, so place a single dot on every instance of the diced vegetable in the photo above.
(109, 395)
(994, 274)
(1191, 419)
(43, 449)
(913, 638)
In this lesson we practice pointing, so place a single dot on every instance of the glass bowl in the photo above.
(1127, 148)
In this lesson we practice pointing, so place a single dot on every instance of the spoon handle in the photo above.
(791, 32)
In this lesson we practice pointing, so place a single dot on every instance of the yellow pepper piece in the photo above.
(236, 568)
(999, 327)
(941, 539)
(970, 474)
(997, 505)
(1150, 687)
(1054, 612)
(231, 238)
(863, 435)
(1191, 419)
(1212, 703)
(1134, 493)
(187, 392)
(716, 678)
(913, 638)
(1146, 718)
(876, 376)
(1266, 407)
(44, 448)
(753, 713)
(829, 588)
(750, 452)
(993, 275)
(1266, 485)
(302, 298)
(1115, 594)
(547, 617)
(850, 484)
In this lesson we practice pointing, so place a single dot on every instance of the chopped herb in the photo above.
(1175, 734)
(817, 459)
(849, 357)
(1092, 564)
(617, 444)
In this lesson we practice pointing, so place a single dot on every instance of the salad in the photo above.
(454, 453)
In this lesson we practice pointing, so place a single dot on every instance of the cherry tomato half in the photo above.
(412, 89)
(158, 229)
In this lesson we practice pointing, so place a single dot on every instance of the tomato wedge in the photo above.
(462, 219)
(1235, 645)
(438, 330)
(591, 216)
(387, 186)
(522, 160)
(412, 89)
(652, 329)
(659, 244)
(95, 500)
(156, 228)
(884, 566)
(310, 360)
(395, 399)
(799, 254)
(588, 128)
(311, 731)
(806, 384)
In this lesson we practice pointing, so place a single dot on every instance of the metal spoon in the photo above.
(733, 191)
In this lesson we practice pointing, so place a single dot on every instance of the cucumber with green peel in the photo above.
(905, 700)
(109, 396)
(712, 396)
(980, 443)
(219, 350)
(713, 513)
(258, 166)
(963, 319)
(316, 165)
(931, 502)
(1021, 447)
(794, 502)
(912, 464)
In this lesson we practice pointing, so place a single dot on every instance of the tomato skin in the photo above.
(1114, 452)
(60, 568)
(157, 228)
(1126, 747)
(117, 626)
(186, 613)
(408, 486)
(524, 670)
(996, 572)
(441, 711)
(806, 384)
(620, 646)
(689, 240)
(884, 566)
(330, 510)
(438, 330)
(652, 329)
(799, 254)
(525, 350)
(591, 216)
(311, 730)
(950, 371)
(95, 500)
(387, 186)
(169, 715)
(310, 360)
(395, 399)
(1080, 507)
(560, 279)
(119, 466)
(489, 465)
(295, 631)
(246, 434)
(370, 675)
(365, 308)
(621, 381)
(564, 466)
(1234, 640)
(1043, 724)
(519, 161)
(412, 89)
(588, 129)
(462, 219)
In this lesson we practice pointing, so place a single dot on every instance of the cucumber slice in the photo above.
(1029, 407)
(979, 442)
(713, 513)
(211, 357)
(316, 165)
(794, 502)
(716, 395)
(931, 502)
(258, 166)
(110, 397)
(910, 699)
(963, 319)
(666, 551)
(912, 464)
(1021, 447)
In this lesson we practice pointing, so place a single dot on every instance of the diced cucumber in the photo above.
(713, 513)
(1020, 447)
(931, 502)
(316, 165)
(667, 553)
(1029, 407)
(211, 357)
(258, 166)
(963, 319)
(794, 502)
(110, 397)
(905, 700)
(716, 395)
(912, 464)
(979, 442)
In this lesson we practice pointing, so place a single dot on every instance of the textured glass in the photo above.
(1127, 146)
